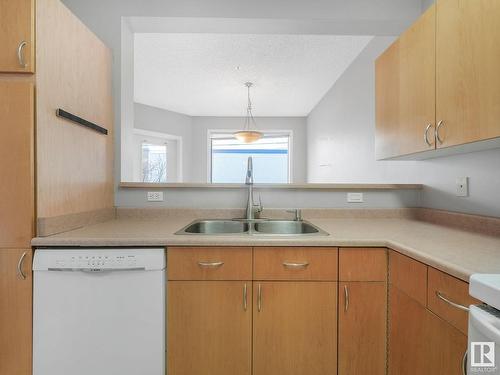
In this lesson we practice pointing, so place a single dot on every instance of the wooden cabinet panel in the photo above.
(17, 20)
(387, 116)
(15, 312)
(407, 344)
(295, 263)
(17, 197)
(446, 346)
(455, 291)
(363, 264)
(209, 332)
(209, 263)
(74, 163)
(419, 341)
(362, 328)
(409, 276)
(295, 328)
(417, 69)
(468, 83)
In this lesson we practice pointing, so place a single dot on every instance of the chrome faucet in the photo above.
(253, 210)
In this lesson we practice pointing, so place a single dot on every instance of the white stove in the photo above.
(484, 325)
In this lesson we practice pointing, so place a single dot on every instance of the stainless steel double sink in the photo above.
(252, 227)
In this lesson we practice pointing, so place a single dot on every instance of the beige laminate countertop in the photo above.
(456, 252)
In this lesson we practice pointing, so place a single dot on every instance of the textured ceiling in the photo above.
(203, 74)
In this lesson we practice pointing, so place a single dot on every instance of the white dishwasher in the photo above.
(99, 312)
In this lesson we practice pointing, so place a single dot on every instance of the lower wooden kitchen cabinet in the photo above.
(362, 312)
(209, 328)
(15, 311)
(362, 328)
(420, 341)
(295, 328)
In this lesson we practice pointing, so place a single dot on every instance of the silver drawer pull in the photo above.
(245, 294)
(294, 265)
(456, 305)
(210, 264)
(20, 272)
(20, 55)
(346, 298)
(259, 298)
(426, 135)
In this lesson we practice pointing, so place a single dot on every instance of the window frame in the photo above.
(167, 137)
(274, 132)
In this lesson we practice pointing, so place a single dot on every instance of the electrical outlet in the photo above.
(355, 198)
(462, 185)
(155, 196)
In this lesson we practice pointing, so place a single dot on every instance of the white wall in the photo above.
(341, 131)
(201, 126)
(173, 123)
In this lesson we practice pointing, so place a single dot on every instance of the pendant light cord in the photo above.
(249, 119)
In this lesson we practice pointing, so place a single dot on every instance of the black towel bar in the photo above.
(80, 121)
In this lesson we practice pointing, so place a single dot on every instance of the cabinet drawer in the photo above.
(209, 263)
(444, 293)
(295, 263)
(363, 264)
(409, 276)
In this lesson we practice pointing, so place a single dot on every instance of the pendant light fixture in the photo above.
(247, 135)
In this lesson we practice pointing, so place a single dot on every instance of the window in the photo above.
(271, 158)
(153, 162)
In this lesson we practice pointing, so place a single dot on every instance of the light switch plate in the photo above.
(155, 196)
(355, 198)
(462, 185)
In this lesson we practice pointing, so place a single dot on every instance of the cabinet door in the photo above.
(209, 328)
(468, 59)
(295, 328)
(446, 346)
(362, 328)
(407, 341)
(417, 69)
(419, 341)
(17, 20)
(15, 311)
(17, 197)
(387, 103)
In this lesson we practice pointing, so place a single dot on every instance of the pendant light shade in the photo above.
(247, 135)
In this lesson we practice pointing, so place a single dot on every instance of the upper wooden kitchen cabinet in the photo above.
(468, 60)
(17, 36)
(295, 328)
(17, 197)
(438, 85)
(15, 311)
(405, 91)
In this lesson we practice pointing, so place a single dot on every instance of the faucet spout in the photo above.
(252, 210)
(249, 177)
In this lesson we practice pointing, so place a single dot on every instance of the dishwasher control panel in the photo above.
(104, 261)
(99, 259)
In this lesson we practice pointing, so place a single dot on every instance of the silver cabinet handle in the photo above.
(295, 265)
(456, 305)
(464, 363)
(20, 55)
(210, 264)
(438, 137)
(346, 299)
(426, 135)
(245, 293)
(259, 298)
(20, 272)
